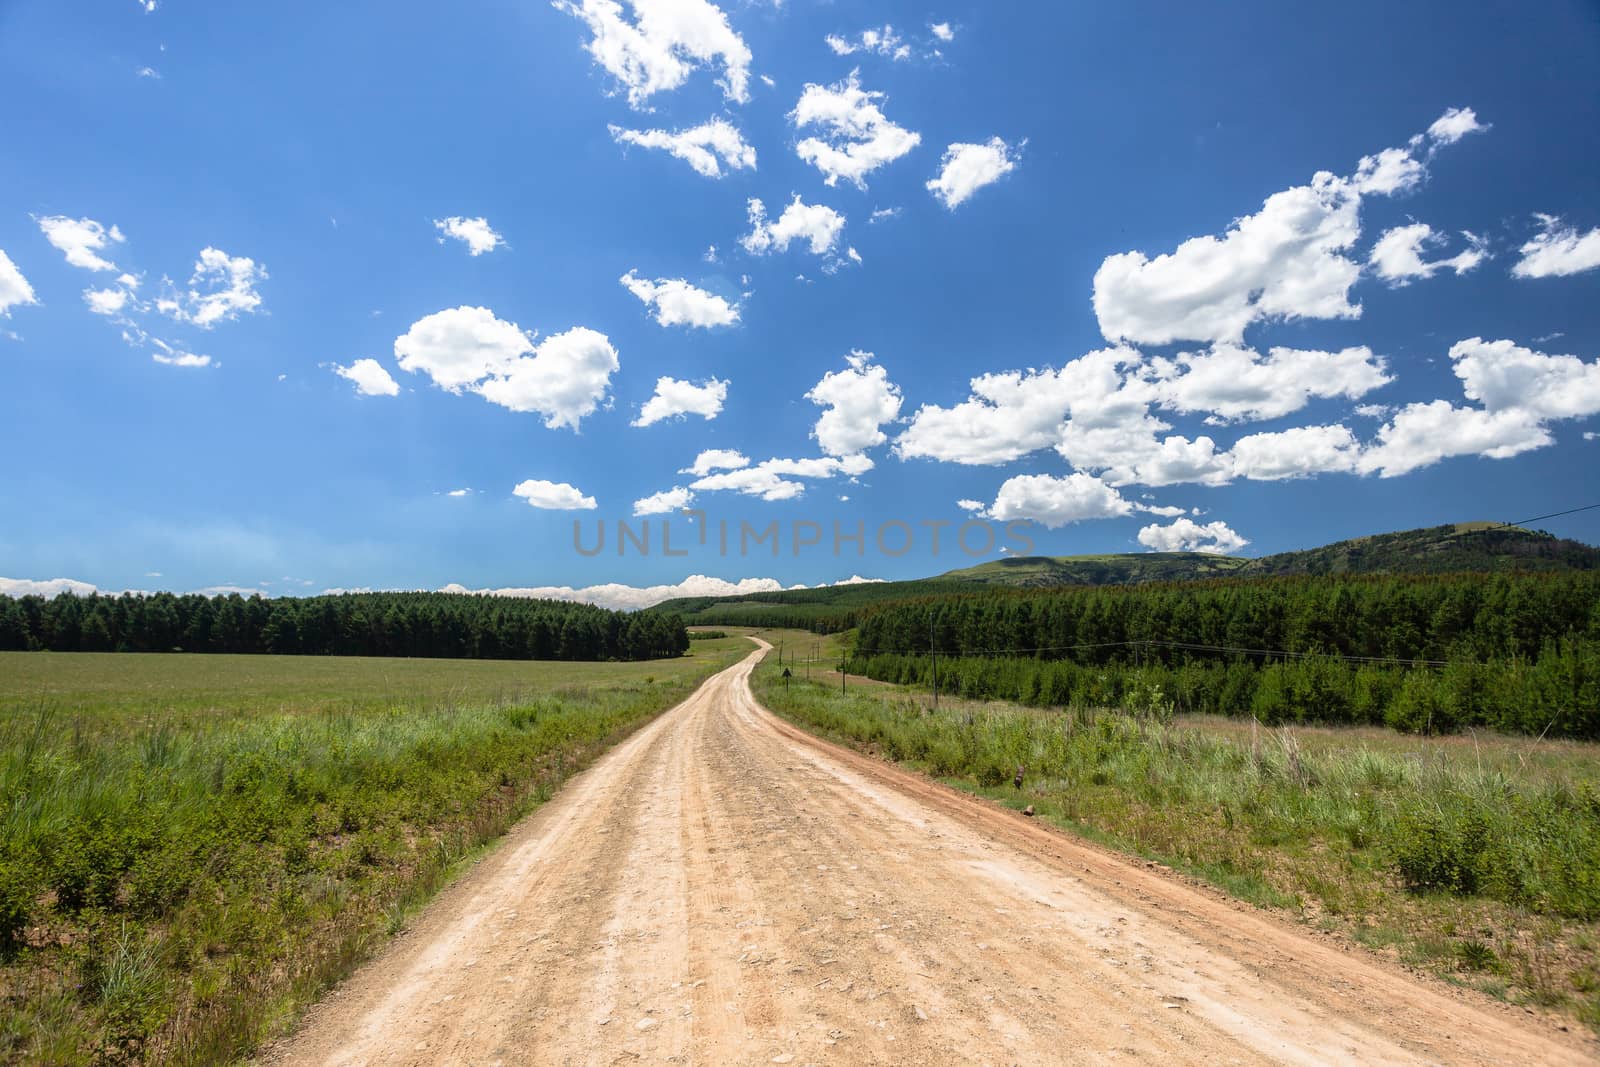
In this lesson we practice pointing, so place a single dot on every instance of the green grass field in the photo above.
(193, 847)
(1474, 857)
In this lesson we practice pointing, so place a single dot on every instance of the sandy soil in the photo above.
(722, 888)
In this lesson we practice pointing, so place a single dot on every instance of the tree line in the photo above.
(431, 625)
(1511, 652)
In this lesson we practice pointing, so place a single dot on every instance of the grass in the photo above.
(192, 848)
(1475, 858)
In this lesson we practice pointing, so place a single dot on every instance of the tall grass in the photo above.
(1438, 853)
(176, 894)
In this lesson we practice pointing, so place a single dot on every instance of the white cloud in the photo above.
(564, 377)
(883, 42)
(108, 301)
(82, 240)
(664, 502)
(1397, 255)
(1299, 452)
(1520, 391)
(633, 598)
(677, 303)
(1236, 383)
(857, 138)
(966, 168)
(233, 281)
(1013, 413)
(1186, 535)
(1558, 251)
(475, 233)
(1420, 435)
(1287, 261)
(883, 213)
(974, 507)
(665, 43)
(943, 31)
(708, 148)
(49, 588)
(369, 377)
(1057, 501)
(674, 399)
(774, 479)
(859, 399)
(715, 459)
(1502, 375)
(1455, 124)
(553, 496)
(14, 288)
(459, 493)
(147, 6)
(1173, 461)
(170, 356)
(816, 224)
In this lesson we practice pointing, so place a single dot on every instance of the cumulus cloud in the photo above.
(856, 137)
(1396, 257)
(632, 598)
(1455, 124)
(775, 479)
(1056, 501)
(1298, 452)
(665, 43)
(675, 399)
(1558, 251)
(109, 301)
(222, 288)
(883, 42)
(817, 225)
(82, 240)
(1013, 413)
(677, 303)
(966, 168)
(860, 400)
(49, 588)
(716, 459)
(1520, 391)
(664, 502)
(1287, 261)
(14, 288)
(369, 378)
(1236, 383)
(943, 31)
(476, 233)
(563, 377)
(553, 496)
(708, 148)
(1186, 535)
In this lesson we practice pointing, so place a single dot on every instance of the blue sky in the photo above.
(1112, 218)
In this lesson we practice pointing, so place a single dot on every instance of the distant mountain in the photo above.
(1462, 547)
(1467, 546)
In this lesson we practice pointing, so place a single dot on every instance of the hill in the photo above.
(1456, 548)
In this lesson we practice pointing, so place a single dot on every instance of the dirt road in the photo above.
(723, 889)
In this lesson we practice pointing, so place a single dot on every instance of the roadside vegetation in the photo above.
(193, 847)
(1474, 857)
(1512, 652)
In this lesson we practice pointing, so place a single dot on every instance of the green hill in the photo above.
(1457, 548)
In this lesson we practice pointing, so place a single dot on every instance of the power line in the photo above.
(1541, 518)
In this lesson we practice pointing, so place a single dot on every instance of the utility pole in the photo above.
(933, 659)
(842, 675)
